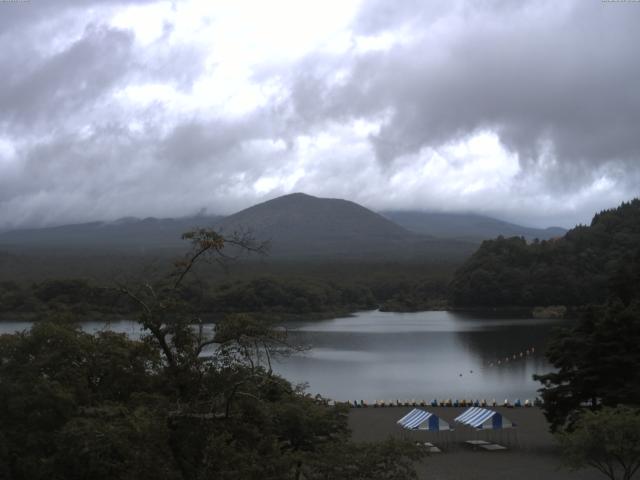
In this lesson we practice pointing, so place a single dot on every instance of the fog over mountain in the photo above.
(467, 226)
(131, 234)
(525, 111)
(295, 225)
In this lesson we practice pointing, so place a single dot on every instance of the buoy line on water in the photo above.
(512, 358)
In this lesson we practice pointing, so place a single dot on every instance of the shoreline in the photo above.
(286, 317)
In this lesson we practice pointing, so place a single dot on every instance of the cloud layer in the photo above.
(527, 110)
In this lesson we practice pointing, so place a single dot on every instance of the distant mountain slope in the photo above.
(466, 226)
(300, 224)
(296, 225)
(127, 233)
(585, 266)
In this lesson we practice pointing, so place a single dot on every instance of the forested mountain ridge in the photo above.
(587, 265)
(297, 226)
(132, 234)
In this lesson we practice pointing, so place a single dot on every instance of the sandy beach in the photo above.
(531, 450)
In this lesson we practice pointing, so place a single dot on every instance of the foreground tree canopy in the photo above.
(597, 363)
(607, 440)
(170, 405)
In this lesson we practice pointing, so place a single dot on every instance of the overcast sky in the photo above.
(527, 110)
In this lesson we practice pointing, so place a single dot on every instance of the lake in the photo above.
(384, 355)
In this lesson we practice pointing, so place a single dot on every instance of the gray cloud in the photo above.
(557, 83)
(563, 87)
(15, 16)
(379, 15)
(196, 140)
(114, 170)
(69, 81)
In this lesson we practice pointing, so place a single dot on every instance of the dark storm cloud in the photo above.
(560, 87)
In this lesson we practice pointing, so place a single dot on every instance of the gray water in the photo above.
(382, 355)
(387, 356)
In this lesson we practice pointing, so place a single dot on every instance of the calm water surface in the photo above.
(381, 355)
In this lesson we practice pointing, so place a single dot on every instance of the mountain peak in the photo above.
(296, 195)
(301, 223)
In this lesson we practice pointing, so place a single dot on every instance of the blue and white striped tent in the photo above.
(484, 419)
(418, 419)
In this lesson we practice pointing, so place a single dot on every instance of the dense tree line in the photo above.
(264, 294)
(271, 294)
(585, 266)
(79, 296)
(412, 295)
(309, 295)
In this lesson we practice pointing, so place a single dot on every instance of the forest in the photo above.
(289, 291)
(585, 266)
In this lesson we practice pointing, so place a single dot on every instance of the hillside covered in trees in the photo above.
(284, 296)
(587, 265)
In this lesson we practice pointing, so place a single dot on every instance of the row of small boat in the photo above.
(446, 403)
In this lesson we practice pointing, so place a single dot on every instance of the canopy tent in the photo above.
(484, 419)
(418, 419)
